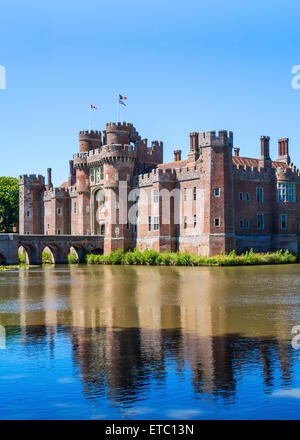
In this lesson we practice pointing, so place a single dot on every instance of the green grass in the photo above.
(154, 258)
(22, 258)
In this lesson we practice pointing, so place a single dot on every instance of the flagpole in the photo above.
(90, 118)
(119, 110)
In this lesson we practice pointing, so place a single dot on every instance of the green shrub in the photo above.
(47, 257)
(72, 258)
(22, 257)
(150, 257)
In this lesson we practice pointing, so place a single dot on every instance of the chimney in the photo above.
(265, 147)
(194, 142)
(49, 178)
(71, 172)
(283, 150)
(236, 151)
(177, 155)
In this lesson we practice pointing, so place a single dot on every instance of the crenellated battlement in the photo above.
(55, 193)
(92, 134)
(214, 138)
(127, 126)
(31, 179)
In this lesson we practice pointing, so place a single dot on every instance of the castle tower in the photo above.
(89, 140)
(31, 189)
(118, 159)
(217, 158)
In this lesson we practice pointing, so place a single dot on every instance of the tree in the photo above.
(9, 203)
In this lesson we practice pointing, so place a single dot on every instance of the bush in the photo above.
(150, 257)
(47, 257)
(22, 257)
(72, 258)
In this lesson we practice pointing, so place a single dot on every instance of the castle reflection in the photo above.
(128, 327)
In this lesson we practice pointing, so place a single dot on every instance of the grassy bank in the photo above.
(153, 258)
(15, 267)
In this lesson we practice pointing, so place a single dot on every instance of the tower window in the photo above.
(184, 194)
(58, 231)
(149, 223)
(217, 192)
(102, 229)
(241, 224)
(260, 221)
(28, 213)
(156, 224)
(185, 222)
(283, 221)
(240, 196)
(259, 195)
(195, 193)
(247, 197)
(195, 220)
(217, 222)
(58, 211)
(155, 196)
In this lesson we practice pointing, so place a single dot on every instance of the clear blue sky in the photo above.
(185, 66)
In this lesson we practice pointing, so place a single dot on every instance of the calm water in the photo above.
(150, 343)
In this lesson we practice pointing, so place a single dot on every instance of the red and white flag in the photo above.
(92, 106)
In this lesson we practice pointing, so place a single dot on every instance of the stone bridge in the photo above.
(59, 245)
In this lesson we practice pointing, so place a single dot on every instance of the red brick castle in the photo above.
(120, 189)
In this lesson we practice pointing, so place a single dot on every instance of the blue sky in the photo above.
(185, 66)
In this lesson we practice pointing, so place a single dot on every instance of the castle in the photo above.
(212, 201)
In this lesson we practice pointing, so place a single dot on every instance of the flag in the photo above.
(92, 106)
(121, 102)
(122, 97)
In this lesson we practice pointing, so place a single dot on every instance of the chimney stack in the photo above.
(49, 178)
(194, 142)
(283, 150)
(177, 155)
(265, 147)
(236, 151)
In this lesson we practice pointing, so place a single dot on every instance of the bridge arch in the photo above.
(2, 260)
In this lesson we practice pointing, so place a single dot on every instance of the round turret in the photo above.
(117, 133)
(89, 140)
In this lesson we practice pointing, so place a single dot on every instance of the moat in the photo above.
(127, 342)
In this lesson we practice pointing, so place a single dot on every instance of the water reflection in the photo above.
(131, 330)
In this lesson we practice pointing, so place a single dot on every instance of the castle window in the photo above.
(48, 226)
(185, 222)
(241, 224)
(184, 194)
(87, 209)
(58, 211)
(286, 192)
(283, 221)
(240, 196)
(117, 232)
(217, 222)
(297, 226)
(195, 220)
(92, 174)
(155, 196)
(128, 177)
(247, 197)
(149, 223)
(134, 228)
(195, 193)
(75, 208)
(128, 225)
(58, 231)
(217, 192)
(117, 205)
(116, 177)
(247, 224)
(259, 195)
(260, 221)
(28, 213)
(101, 173)
(156, 224)
(102, 229)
